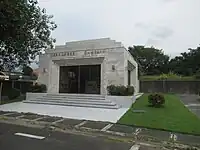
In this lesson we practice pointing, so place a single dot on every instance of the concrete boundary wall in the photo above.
(178, 87)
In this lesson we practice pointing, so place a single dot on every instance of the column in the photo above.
(135, 81)
(54, 74)
(104, 81)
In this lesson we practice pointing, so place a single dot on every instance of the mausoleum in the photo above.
(77, 75)
(87, 67)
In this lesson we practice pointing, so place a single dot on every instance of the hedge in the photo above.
(120, 90)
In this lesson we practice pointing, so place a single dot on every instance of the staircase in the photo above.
(77, 100)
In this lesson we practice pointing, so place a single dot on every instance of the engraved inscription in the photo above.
(85, 53)
(63, 54)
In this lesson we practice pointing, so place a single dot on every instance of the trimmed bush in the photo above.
(156, 100)
(38, 88)
(130, 90)
(120, 90)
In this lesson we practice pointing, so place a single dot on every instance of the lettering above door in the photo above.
(93, 52)
(86, 53)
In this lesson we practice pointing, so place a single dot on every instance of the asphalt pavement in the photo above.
(52, 140)
(191, 102)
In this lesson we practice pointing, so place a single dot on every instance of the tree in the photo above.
(151, 61)
(25, 29)
(187, 64)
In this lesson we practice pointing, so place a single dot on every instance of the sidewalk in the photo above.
(104, 128)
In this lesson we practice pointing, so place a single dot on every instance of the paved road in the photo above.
(53, 140)
(190, 101)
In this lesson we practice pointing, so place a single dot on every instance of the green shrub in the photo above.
(13, 93)
(38, 88)
(163, 77)
(170, 75)
(130, 90)
(120, 90)
(156, 100)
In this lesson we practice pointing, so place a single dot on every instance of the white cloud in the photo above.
(172, 25)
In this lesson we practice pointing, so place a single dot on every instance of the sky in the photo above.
(171, 25)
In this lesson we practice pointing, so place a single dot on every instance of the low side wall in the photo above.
(123, 101)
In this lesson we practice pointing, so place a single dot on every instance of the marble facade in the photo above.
(112, 56)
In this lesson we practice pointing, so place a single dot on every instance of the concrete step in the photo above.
(71, 99)
(78, 100)
(74, 97)
(74, 104)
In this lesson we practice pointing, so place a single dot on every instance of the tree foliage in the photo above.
(188, 63)
(151, 60)
(25, 29)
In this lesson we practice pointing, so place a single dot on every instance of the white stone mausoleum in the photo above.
(87, 67)
(77, 75)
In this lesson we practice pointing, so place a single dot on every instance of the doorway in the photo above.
(80, 79)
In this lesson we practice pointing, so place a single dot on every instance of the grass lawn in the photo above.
(173, 117)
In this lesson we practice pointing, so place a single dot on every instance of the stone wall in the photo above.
(115, 58)
(180, 87)
(44, 69)
(134, 73)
